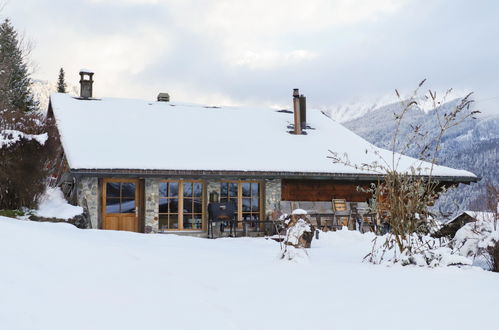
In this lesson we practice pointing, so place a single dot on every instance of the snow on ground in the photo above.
(55, 276)
(54, 205)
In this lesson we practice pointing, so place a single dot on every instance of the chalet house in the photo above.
(153, 167)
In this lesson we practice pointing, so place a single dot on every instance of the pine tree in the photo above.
(25, 163)
(15, 82)
(61, 83)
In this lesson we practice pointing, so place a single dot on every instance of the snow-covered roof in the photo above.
(478, 215)
(113, 133)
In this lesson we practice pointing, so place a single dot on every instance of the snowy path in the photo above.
(54, 276)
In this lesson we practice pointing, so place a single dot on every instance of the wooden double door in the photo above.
(121, 204)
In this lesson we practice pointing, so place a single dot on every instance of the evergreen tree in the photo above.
(61, 83)
(15, 82)
(26, 161)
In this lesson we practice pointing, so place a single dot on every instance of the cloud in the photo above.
(128, 53)
(269, 59)
(256, 51)
(254, 33)
(115, 57)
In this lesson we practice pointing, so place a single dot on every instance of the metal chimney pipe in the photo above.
(303, 112)
(296, 108)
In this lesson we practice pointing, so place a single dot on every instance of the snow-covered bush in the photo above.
(425, 251)
(479, 241)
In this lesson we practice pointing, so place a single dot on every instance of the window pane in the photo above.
(173, 221)
(223, 199)
(173, 205)
(246, 205)
(188, 221)
(255, 201)
(234, 201)
(198, 207)
(128, 190)
(112, 205)
(188, 189)
(173, 189)
(224, 189)
(188, 205)
(163, 189)
(198, 222)
(163, 222)
(127, 206)
(233, 189)
(163, 205)
(113, 189)
(254, 188)
(198, 189)
(246, 189)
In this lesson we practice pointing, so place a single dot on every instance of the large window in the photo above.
(181, 205)
(246, 196)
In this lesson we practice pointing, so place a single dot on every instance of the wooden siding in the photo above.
(322, 190)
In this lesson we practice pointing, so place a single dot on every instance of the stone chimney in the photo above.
(296, 108)
(86, 82)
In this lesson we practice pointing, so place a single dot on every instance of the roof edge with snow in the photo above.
(277, 174)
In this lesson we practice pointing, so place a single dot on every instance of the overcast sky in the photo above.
(256, 51)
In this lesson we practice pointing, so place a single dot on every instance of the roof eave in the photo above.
(261, 174)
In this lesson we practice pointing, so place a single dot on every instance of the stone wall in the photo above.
(88, 197)
(151, 215)
(272, 197)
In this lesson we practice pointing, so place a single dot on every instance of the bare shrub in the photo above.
(403, 197)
